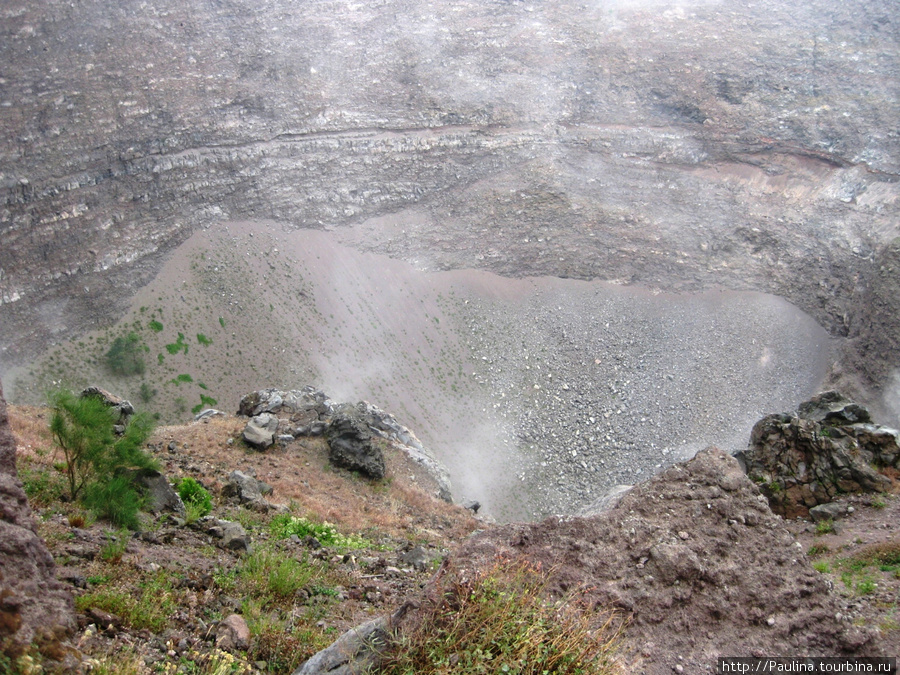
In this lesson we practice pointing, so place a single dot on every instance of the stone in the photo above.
(260, 430)
(232, 535)
(351, 445)
(209, 413)
(245, 488)
(829, 511)
(417, 558)
(35, 608)
(357, 651)
(828, 447)
(232, 633)
(159, 493)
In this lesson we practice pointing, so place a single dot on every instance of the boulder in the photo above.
(828, 447)
(232, 633)
(122, 407)
(351, 445)
(35, 608)
(232, 535)
(159, 493)
(245, 488)
(260, 430)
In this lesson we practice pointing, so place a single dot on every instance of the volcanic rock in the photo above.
(260, 430)
(35, 608)
(351, 445)
(826, 448)
(160, 494)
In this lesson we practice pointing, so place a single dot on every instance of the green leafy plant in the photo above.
(285, 525)
(155, 326)
(126, 355)
(177, 346)
(196, 498)
(95, 457)
(203, 340)
(825, 526)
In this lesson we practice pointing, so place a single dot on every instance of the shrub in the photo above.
(146, 392)
(95, 457)
(500, 622)
(194, 495)
(126, 355)
(116, 500)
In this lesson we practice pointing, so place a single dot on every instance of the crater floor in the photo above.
(539, 393)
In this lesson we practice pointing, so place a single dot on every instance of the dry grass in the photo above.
(302, 477)
(31, 427)
(501, 621)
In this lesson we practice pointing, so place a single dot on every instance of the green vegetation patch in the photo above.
(177, 346)
(196, 498)
(203, 340)
(97, 460)
(126, 355)
(285, 525)
(155, 326)
(151, 606)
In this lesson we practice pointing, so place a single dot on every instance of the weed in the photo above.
(203, 340)
(825, 527)
(817, 549)
(822, 567)
(155, 326)
(500, 622)
(196, 498)
(113, 551)
(183, 378)
(878, 503)
(43, 488)
(283, 526)
(151, 607)
(275, 575)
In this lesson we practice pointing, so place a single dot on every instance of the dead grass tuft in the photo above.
(500, 620)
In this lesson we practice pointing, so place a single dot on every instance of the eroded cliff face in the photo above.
(35, 609)
(679, 146)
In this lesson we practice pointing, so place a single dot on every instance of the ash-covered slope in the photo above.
(676, 145)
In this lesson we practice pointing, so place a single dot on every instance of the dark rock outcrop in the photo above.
(35, 608)
(828, 447)
(351, 445)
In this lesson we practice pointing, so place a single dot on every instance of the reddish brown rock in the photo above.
(694, 558)
(35, 608)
